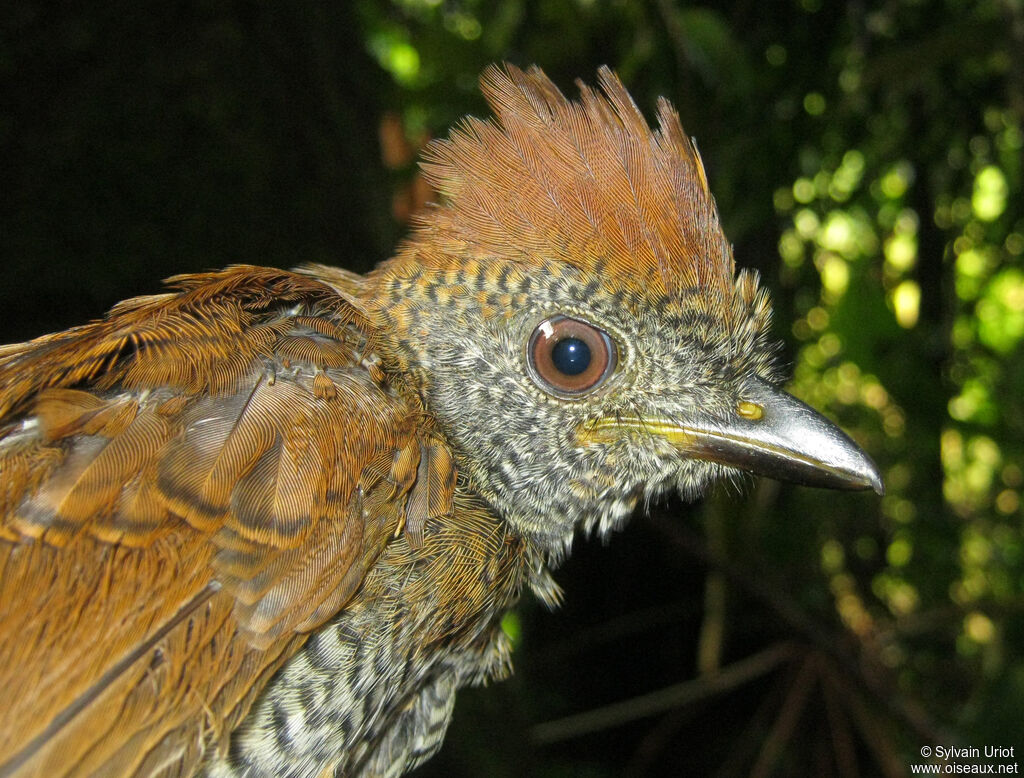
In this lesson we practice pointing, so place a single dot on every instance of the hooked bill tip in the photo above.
(873, 479)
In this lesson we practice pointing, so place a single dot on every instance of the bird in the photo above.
(268, 522)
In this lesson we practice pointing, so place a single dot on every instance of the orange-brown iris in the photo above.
(570, 357)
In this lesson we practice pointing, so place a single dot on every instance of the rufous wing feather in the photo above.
(188, 487)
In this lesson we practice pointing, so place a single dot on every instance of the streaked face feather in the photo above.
(573, 208)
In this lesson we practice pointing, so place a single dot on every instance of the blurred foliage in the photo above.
(867, 159)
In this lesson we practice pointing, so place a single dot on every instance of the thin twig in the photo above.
(789, 716)
(662, 700)
(839, 725)
(763, 586)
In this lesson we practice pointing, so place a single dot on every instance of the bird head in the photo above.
(572, 317)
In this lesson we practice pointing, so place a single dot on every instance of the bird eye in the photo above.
(569, 357)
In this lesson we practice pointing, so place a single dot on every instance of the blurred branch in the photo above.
(792, 709)
(763, 586)
(663, 700)
(875, 736)
(918, 60)
(744, 746)
(627, 625)
(712, 628)
(839, 725)
(1014, 12)
(677, 35)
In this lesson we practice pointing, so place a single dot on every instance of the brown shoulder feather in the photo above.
(188, 487)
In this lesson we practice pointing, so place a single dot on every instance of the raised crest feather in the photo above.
(585, 182)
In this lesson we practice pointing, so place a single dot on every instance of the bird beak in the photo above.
(771, 433)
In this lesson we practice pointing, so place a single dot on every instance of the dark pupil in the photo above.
(571, 356)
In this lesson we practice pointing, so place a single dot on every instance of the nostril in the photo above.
(749, 410)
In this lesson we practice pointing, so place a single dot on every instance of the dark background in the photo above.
(866, 158)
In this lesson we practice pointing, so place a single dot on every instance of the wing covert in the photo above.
(223, 464)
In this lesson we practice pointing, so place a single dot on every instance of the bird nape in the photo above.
(268, 522)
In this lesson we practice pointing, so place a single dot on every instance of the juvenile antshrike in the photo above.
(267, 523)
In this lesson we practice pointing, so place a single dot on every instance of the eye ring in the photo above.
(569, 357)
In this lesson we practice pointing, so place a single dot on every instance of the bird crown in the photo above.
(586, 182)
